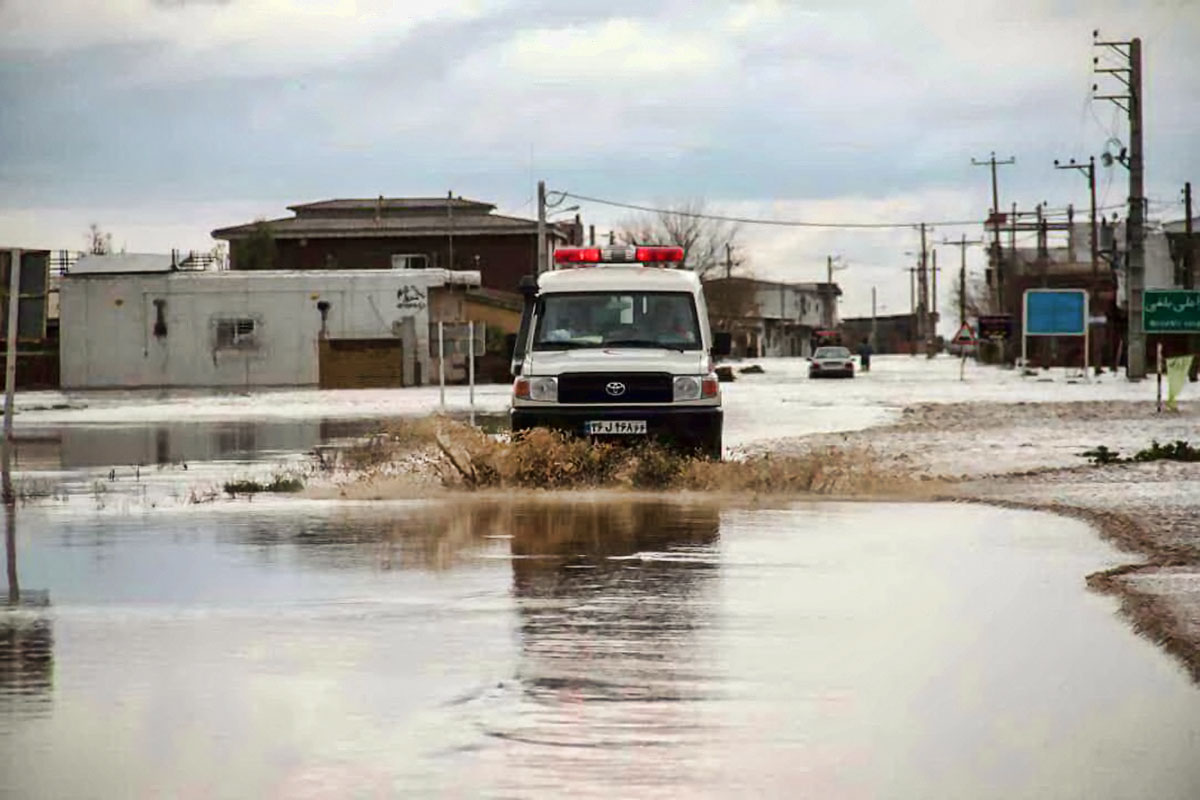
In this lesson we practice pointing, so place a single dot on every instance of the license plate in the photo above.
(617, 427)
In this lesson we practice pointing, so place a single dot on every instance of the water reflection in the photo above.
(26, 638)
(591, 646)
(85, 446)
(614, 601)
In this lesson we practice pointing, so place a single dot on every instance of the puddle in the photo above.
(614, 645)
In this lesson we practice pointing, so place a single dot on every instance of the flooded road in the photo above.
(611, 646)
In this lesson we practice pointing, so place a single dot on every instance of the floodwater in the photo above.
(605, 646)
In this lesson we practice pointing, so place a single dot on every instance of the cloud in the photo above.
(791, 108)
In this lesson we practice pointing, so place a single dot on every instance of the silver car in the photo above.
(831, 362)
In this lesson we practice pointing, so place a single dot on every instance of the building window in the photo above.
(237, 334)
(410, 261)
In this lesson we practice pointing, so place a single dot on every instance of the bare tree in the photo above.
(99, 242)
(978, 298)
(685, 225)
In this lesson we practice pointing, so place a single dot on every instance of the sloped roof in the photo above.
(1180, 226)
(415, 222)
(371, 204)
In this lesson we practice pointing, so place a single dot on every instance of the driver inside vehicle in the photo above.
(666, 323)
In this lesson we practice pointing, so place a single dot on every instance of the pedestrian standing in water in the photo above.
(864, 355)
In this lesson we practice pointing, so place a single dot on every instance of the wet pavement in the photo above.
(609, 645)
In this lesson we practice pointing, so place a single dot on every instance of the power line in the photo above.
(761, 221)
(1058, 212)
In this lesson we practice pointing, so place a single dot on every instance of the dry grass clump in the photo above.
(395, 439)
(547, 459)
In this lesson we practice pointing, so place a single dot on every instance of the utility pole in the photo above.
(923, 291)
(1089, 171)
(540, 262)
(728, 260)
(933, 291)
(450, 228)
(997, 261)
(1131, 76)
(962, 244)
(1189, 251)
(873, 318)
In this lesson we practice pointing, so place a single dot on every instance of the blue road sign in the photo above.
(1055, 312)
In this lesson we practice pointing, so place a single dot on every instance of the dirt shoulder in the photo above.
(1029, 456)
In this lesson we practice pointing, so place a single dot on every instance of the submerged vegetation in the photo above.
(466, 457)
(1176, 451)
(279, 484)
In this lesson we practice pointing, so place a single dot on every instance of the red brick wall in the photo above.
(502, 259)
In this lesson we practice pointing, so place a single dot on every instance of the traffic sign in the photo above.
(965, 335)
(996, 326)
(1055, 312)
(1171, 311)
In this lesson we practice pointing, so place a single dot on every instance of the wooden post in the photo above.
(471, 367)
(442, 364)
(10, 372)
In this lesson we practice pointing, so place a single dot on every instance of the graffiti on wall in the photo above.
(410, 298)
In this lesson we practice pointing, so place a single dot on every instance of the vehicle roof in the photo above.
(629, 277)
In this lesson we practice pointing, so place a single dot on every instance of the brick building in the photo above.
(450, 233)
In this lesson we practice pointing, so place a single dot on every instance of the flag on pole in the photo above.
(1177, 372)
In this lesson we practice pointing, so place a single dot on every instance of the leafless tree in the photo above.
(685, 225)
(99, 242)
(978, 298)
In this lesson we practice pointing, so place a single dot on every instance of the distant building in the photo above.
(767, 318)
(894, 333)
(1068, 265)
(396, 233)
(37, 319)
(137, 321)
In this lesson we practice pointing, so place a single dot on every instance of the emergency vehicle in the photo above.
(615, 343)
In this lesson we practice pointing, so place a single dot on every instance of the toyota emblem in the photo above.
(615, 389)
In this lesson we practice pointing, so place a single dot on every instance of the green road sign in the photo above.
(1171, 311)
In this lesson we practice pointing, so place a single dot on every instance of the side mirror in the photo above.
(722, 344)
(528, 288)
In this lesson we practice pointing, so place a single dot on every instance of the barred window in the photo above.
(236, 334)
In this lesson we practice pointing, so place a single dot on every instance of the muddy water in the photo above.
(610, 647)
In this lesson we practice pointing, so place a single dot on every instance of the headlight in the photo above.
(543, 389)
(687, 387)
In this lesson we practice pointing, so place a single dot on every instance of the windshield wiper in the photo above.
(560, 345)
(642, 343)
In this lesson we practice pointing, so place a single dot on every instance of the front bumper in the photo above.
(688, 425)
(817, 372)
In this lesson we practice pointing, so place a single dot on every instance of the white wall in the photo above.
(798, 305)
(107, 324)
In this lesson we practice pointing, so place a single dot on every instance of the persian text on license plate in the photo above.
(616, 427)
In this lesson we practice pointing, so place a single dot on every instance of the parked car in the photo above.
(831, 362)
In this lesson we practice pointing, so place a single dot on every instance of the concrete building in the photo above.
(129, 322)
(893, 333)
(403, 233)
(768, 318)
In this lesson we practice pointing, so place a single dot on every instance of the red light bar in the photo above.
(577, 255)
(650, 255)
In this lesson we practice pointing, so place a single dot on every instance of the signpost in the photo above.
(1171, 311)
(995, 326)
(964, 337)
(1055, 312)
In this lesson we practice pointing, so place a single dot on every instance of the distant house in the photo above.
(400, 233)
(768, 318)
(139, 321)
(892, 333)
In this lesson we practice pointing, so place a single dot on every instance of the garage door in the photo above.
(361, 363)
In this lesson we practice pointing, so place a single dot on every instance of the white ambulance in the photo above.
(615, 342)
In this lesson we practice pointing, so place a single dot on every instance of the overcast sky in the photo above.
(163, 119)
